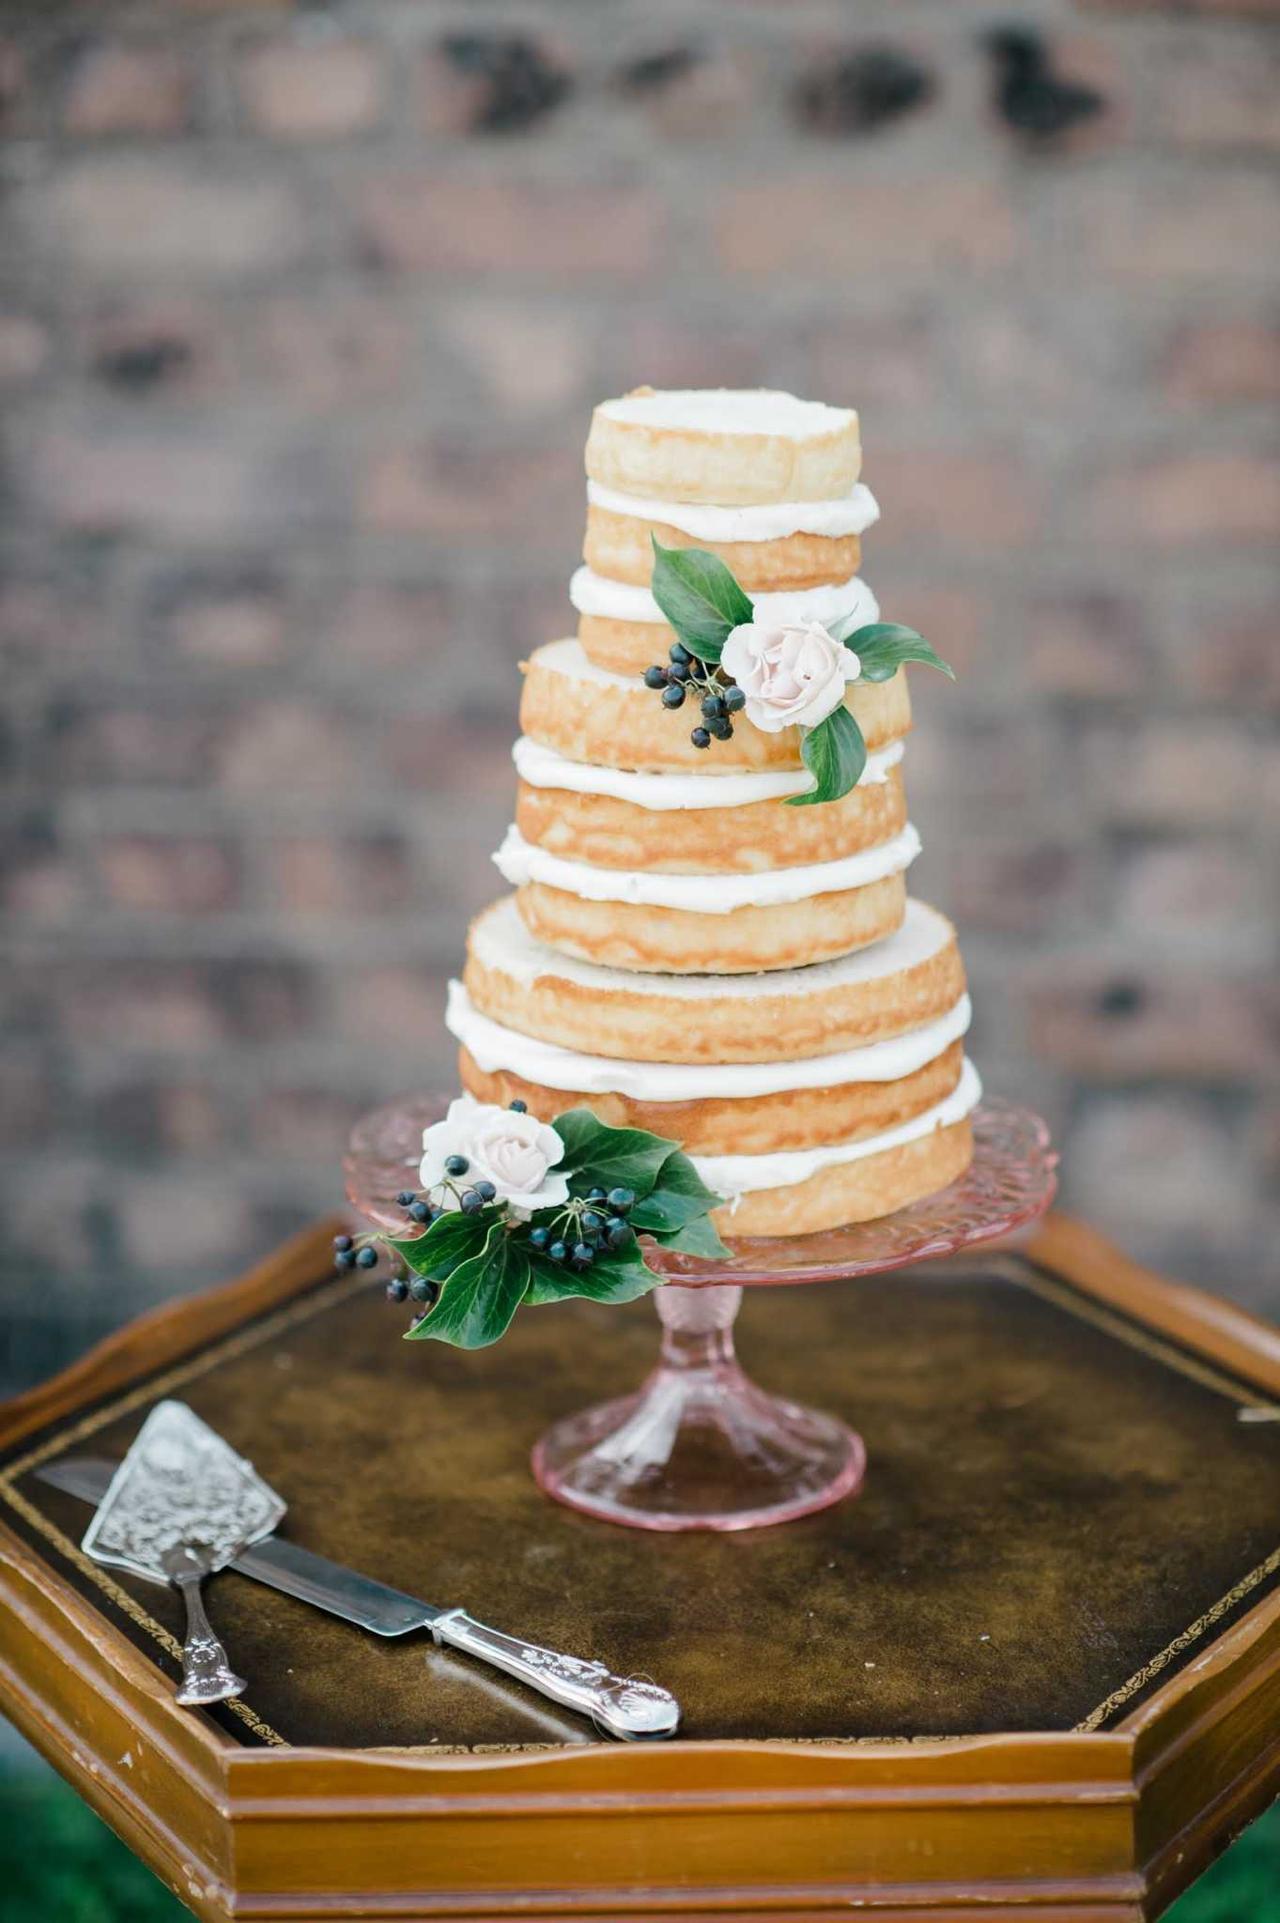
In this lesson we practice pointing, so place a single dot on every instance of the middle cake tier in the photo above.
(629, 850)
(727, 1108)
(700, 824)
(710, 924)
(913, 978)
(589, 713)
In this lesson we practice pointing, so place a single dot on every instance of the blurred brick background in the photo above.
(302, 312)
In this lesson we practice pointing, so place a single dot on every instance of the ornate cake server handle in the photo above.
(207, 1676)
(622, 1706)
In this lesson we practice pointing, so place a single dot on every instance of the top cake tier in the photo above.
(724, 446)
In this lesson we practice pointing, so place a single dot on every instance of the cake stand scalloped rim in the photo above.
(1011, 1182)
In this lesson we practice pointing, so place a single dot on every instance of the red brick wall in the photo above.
(301, 316)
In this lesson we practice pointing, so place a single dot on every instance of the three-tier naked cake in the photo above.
(684, 952)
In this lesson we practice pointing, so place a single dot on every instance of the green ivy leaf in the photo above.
(620, 1275)
(835, 754)
(662, 1211)
(883, 646)
(697, 1237)
(680, 1173)
(679, 1196)
(699, 597)
(597, 1156)
(450, 1240)
(480, 1296)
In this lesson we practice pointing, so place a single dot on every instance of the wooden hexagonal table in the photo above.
(1032, 1672)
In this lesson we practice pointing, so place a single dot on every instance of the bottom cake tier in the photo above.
(796, 1191)
(793, 1147)
(882, 1180)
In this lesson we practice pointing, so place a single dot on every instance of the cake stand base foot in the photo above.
(699, 1446)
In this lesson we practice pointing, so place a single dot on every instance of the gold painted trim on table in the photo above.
(1023, 1271)
(1192, 1633)
(1115, 1323)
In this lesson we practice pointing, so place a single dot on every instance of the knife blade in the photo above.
(281, 1564)
(629, 1708)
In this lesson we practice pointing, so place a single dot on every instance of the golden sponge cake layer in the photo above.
(610, 833)
(590, 714)
(890, 1060)
(820, 1187)
(781, 547)
(620, 934)
(899, 985)
(623, 647)
(851, 1192)
(792, 1119)
(620, 547)
(622, 628)
(723, 445)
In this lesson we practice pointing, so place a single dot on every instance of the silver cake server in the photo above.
(622, 1706)
(179, 1507)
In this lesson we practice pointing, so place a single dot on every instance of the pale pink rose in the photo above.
(793, 675)
(514, 1151)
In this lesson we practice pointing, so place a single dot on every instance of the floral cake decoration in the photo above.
(778, 674)
(511, 1210)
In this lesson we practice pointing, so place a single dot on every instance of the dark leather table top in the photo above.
(1058, 1505)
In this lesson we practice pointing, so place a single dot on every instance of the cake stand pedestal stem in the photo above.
(697, 1327)
(699, 1446)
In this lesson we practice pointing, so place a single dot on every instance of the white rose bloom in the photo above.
(793, 674)
(514, 1151)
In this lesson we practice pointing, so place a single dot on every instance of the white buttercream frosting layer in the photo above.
(852, 513)
(495, 1048)
(519, 861)
(568, 657)
(502, 944)
(735, 1175)
(729, 410)
(595, 594)
(542, 767)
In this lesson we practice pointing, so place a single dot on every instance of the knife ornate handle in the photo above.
(622, 1706)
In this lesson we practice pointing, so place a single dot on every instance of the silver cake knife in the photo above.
(622, 1706)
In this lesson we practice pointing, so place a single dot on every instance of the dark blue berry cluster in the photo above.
(595, 1226)
(362, 1252)
(350, 1254)
(685, 676)
(401, 1287)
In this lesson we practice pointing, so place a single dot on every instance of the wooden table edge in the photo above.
(156, 1338)
(1212, 1326)
(1139, 1784)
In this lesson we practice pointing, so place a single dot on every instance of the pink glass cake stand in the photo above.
(699, 1446)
